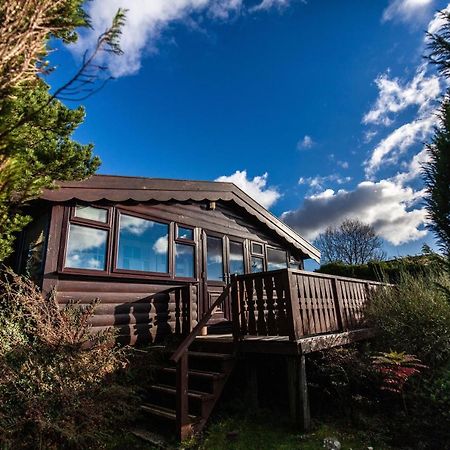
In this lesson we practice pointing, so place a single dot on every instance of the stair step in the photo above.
(172, 391)
(197, 373)
(165, 413)
(217, 356)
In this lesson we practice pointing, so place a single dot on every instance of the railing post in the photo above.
(337, 294)
(235, 308)
(187, 309)
(182, 407)
(292, 305)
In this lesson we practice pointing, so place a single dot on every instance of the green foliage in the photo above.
(58, 382)
(35, 154)
(414, 317)
(389, 271)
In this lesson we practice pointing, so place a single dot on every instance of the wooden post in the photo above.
(235, 309)
(252, 383)
(292, 305)
(182, 406)
(338, 304)
(298, 391)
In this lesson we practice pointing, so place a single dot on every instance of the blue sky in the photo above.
(318, 109)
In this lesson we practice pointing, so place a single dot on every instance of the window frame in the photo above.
(115, 250)
(241, 241)
(190, 242)
(70, 218)
(262, 256)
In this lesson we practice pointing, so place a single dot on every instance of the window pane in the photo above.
(257, 248)
(86, 248)
(184, 261)
(236, 257)
(276, 259)
(143, 245)
(257, 264)
(214, 259)
(185, 233)
(90, 213)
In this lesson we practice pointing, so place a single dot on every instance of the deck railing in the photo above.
(297, 303)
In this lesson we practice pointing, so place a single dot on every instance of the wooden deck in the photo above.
(282, 345)
(285, 312)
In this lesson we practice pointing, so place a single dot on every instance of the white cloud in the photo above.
(385, 204)
(398, 142)
(305, 143)
(161, 245)
(395, 96)
(134, 225)
(257, 187)
(343, 164)
(413, 168)
(407, 10)
(318, 181)
(436, 22)
(146, 21)
(268, 4)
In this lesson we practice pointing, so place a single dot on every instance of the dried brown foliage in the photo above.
(58, 381)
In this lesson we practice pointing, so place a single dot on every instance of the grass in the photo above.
(263, 431)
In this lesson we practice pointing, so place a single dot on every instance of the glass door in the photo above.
(223, 256)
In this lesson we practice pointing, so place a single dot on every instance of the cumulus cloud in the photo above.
(318, 181)
(407, 10)
(386, 205)
(257, 187)
(389, 149)
(305, 143)
(147, 20)
(395, 96)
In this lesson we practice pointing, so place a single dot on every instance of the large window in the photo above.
(276, 259)
(143, 245)
(214, 259)
(236, 258)
(86, 248)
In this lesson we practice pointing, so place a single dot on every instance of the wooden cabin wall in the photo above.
(145, 309)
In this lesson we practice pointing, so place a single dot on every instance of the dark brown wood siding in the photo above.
(145, 308)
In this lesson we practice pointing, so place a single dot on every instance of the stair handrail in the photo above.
(188, 340)
(180, 357)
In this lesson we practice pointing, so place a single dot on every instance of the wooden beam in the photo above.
(298, 392)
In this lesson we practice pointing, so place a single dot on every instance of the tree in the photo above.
(352, 242)
(36, 148)
(437, 171)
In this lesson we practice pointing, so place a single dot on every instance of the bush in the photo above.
(391, 271)
(414, 317)
(58, 382)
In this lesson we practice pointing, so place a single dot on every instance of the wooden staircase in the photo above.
(207, 375)
(188, 386)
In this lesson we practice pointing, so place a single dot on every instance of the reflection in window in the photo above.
(214, 258)
(257, 248)
(236, 258)
(184, 261)
(257, 264)
(86, 248)
(185, 233)
(35, 240)
(143, 245)
(90, 213)
(276, 259)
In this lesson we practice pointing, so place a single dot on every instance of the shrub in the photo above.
(414, 317)
(58, 383)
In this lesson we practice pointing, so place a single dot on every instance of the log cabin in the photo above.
(198, 260)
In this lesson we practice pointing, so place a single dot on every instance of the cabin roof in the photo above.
(122, 188)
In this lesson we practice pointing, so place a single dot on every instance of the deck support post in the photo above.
(298, 391)
(252, 383)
